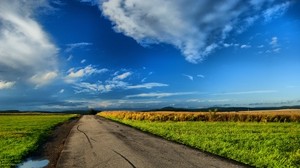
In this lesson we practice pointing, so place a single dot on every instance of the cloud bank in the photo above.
(196, 28)
(26, 51)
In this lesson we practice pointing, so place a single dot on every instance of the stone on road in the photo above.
(97, 142)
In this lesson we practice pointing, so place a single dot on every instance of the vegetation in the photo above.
(260, 144)
(259, 116)
(21, 134)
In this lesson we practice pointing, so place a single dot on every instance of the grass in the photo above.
(21, 134)
(260, 144)
(258, 116)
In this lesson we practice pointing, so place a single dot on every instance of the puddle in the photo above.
(33, 163)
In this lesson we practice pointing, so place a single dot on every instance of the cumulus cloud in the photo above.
(74, 75)
(196, 28)
(26, 50)
(6, 84)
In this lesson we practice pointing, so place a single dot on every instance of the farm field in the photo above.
(267, 139)
(21, 134)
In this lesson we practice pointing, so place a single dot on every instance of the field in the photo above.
(257, 116)
(267, 139)
(21, 134)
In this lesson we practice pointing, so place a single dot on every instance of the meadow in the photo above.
(260, 139)
(21, 134)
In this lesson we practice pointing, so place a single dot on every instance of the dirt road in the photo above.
(97, 142)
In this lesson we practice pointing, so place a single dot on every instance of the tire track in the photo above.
(124, 158)
(87, 137)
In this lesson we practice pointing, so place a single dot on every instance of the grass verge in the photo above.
(21, 134)
(258, 144)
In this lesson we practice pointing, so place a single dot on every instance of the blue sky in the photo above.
(108, 54)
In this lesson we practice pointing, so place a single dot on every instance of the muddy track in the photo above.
(97, 142)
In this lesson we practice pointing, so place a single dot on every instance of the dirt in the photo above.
(54, 144)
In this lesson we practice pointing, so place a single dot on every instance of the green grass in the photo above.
(21, 134)
(256, 144)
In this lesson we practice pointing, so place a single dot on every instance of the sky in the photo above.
(132, 54)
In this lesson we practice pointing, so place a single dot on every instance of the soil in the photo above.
(54, 144)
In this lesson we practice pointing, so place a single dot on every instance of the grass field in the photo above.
(289, 115)
(260, 144)
(21, 134)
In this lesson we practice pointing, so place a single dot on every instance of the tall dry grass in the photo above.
(257, 116)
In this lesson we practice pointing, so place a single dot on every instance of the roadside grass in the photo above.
(21, 134)
(259, 144)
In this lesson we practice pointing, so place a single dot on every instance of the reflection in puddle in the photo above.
(34, 163)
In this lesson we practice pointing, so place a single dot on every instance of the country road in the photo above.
(96, 142)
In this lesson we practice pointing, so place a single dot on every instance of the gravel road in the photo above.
(96, 142)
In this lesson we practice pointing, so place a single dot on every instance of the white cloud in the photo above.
(122, 76)
(159, 95)
(274, 42)
(200, 76)
(41, 79)
(245, 46)
(85, 87)
(70, 58)
(227, 45)
(276, 11)
(83, 61)
(6, 84)
(96, 88)
(110, 85)
(25, 48)
(276, 50)
(72, 46)
(260, 46)
(61, 91)
(143, 80)
(189, 77)
(197, 28)
(147, 86)
(275, 45)
(99, 87)
(89, 70)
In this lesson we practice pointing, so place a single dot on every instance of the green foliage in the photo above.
(21, 134)
(257, 144)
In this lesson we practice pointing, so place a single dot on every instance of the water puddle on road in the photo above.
(33, 163)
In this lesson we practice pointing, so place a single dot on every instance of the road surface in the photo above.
(96, 142)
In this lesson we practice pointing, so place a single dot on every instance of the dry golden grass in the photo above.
(289, 115)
